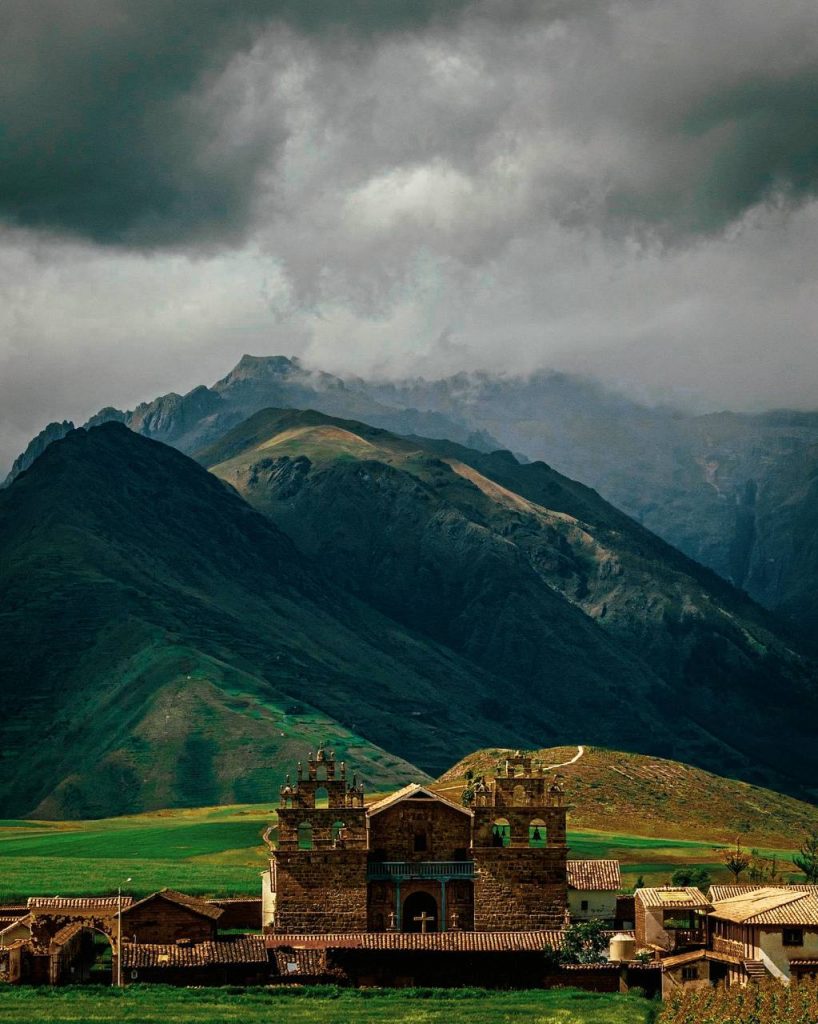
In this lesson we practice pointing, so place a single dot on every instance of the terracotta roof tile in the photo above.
(66, 933)
(717, 893)
(78, 904)
(593, 874)
(291, 963)
(195, 903)
(452, 942)
(770, 905)
(244, 949)
(672, 898)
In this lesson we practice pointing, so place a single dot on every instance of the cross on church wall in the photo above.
(423, 919)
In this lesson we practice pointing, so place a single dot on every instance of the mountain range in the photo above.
(733, 491)
(407, 600)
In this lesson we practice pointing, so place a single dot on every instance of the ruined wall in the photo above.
(320, 891)
(519, 889)
(395, 832)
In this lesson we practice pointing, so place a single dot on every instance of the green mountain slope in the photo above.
(613, 634)
(162, 643)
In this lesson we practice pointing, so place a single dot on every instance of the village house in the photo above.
(670, 918)
(593, 886)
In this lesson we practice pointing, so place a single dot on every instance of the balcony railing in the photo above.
(398, 870)
(729, 946)
(684, 937)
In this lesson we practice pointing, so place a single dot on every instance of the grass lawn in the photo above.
(217, 851)
(155, 1004)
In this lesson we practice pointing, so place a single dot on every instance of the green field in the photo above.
(218, 851)
(156, 1004)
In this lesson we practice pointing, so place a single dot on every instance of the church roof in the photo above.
(413, 792)
(443, 942)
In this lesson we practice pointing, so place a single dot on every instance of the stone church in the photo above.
(416, 861)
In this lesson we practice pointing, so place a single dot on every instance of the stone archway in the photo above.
(420, 913)
(63, 932)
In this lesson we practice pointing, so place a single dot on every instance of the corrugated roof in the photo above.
(409, 792)
(75, 904)
(774, 906)
(673, 898)
(244, 949)
(593, 874)
(194, 903)
(717, 893)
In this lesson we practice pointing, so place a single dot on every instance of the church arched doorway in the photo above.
(420, 913)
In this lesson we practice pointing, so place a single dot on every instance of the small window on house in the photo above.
(690, 973)
(420, 842)
(793, 937)
(583, 905)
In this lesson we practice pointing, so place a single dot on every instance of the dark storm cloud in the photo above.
(113, 126)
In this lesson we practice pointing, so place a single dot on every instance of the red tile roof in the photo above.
(593, 874)
(452, 942)
(672, 898)
(244, 949)
(194, 903)
(299, 963)
(78, 904)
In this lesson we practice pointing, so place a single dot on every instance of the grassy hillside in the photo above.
(610, 790)
(598, 626)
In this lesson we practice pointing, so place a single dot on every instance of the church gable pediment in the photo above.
(418, 797)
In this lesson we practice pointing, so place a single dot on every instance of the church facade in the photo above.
(417, 861)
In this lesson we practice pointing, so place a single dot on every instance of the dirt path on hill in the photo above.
(564, 764)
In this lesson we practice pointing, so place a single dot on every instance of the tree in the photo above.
(695, 877)
(735, 859)
(807, 857)
(764, 869)
(583, 943)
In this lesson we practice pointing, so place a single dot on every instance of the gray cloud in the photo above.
(625, 188)
(119, 125)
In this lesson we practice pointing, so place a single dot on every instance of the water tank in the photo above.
(623, 947)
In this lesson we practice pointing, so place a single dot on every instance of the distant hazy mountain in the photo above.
(732, 491)
(538, 580)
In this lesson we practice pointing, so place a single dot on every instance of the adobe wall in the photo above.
(320, 891)
(519, 889)
(164, 922)
(447, 832)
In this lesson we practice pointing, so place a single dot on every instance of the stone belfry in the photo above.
(321, 775)
(318, 868)
(519, 848)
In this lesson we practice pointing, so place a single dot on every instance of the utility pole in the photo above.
(119, 934)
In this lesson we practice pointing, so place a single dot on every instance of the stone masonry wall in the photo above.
(519, 889)
(447, 832)
(320, 891)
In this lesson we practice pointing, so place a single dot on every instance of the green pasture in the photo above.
(157, 1004)
(218, 851)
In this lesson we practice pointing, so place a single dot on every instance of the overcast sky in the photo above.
(621, 187)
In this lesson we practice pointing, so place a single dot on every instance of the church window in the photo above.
(321, 798)
(421, 842)
(305, 836)
(519, 796)
(501, 833)
(537, 834)
(337, 828)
